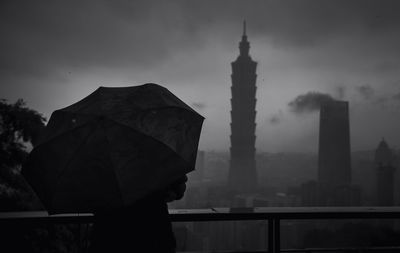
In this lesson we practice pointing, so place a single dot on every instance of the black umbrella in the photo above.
(112, 148)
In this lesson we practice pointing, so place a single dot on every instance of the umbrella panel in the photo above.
(101, 165)
(142, 164)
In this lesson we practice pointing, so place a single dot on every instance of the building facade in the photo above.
(334, 164)
(384, 161)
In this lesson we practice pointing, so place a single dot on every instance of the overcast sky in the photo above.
(53, 53)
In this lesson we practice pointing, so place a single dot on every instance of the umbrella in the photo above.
(112, 148)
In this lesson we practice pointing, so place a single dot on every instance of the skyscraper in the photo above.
(334, 168)
(242, 172)
(384, 175)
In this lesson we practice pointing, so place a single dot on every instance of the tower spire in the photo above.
(244, 45)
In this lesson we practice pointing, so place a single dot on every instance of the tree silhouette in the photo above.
(20, 128)
(18, 125)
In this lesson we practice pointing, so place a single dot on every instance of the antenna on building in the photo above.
(244, 27)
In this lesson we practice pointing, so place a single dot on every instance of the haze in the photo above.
(54, 53)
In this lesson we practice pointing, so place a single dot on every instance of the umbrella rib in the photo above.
(71, 157)
(165, 107)
(66, 132)
(149, 136)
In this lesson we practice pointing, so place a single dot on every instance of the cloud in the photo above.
(382, 100)
(369, 94)
(396, 97)
(39, 37)
(387, 67)
(340, 91)
(309, 102)
(366, 91)
(276, 118)
(199, 105)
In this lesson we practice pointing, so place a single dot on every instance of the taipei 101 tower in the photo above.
(242, 171)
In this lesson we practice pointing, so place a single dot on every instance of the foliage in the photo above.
(20, 127)
(45, 238)
(18, 124)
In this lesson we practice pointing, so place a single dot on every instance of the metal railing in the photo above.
(273, 215)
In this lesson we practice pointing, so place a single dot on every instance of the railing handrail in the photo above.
(273, 215)
(224, 214)
(285, 213)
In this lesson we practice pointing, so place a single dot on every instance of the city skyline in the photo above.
(54, 54)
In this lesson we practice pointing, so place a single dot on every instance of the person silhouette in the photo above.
(144, 226)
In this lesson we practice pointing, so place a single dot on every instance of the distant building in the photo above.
(242, 171)
(334, 165)
(309, 193)
(197, 176)
(384, 161)
(363, 173)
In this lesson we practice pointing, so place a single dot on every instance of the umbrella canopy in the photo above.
(113, 147)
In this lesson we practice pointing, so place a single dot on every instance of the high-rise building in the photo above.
(384, 161)
(334, 165)
(197, 175)
(242, 171)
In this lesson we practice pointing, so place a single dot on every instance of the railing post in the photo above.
(277, 236)
(270, 236)
(274, 239)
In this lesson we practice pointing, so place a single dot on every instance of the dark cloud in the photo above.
(303, 22)
(39, 37)
(369, 94)
(276, 118)
(387, 67)
(340, 91)
(309, 102)
(199, 106)
(382, 101)
(366, 91)
(396, 97)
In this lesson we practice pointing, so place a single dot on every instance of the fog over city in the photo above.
(54, 53)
